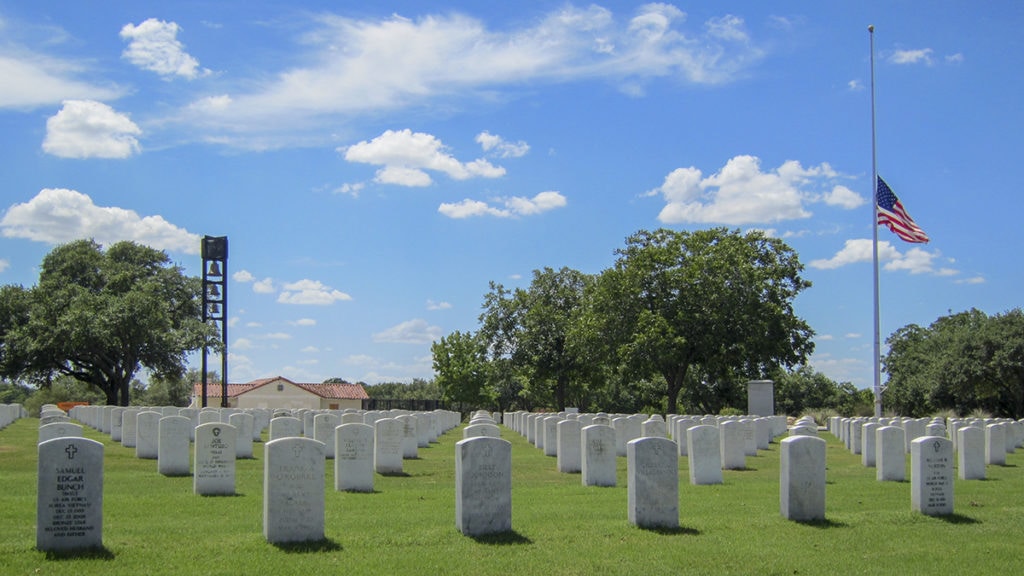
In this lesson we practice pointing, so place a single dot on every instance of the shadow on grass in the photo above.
(395, 474)
(670, 530)
(96, 553)
(509, 538)
(235, 495)
(957, 519)
(325, 545)
(826, 523)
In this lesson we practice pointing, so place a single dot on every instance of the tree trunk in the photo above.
(561, 384)
(674, 383)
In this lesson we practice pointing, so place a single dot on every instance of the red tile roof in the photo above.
(342, 391)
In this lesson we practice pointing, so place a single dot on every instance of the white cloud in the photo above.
(500, 147)
(406, 155)
(153, 45)
(372, 65)
(920, 56)
(740, 193)
(844, 198)
(311, 292)
(90, 129)
(243, 276)
(242, 344)
(58, 215)
(416, 331)
(824, 337)
(276, 336)
(855, 85)
(352, 189)
(852, 335)
(32, 79)
(265, 286)
(304, 322)
(972, 280)
(431, 305)
(957, 58)
(513, 206)
(4, 264)
(915, 260)
(310, 350)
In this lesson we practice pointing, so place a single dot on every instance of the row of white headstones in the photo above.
(69, 504)
(582, 443)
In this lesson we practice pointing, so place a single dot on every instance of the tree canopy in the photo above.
(680, 316)
(962, 362)
(715, 301)
(99, 316)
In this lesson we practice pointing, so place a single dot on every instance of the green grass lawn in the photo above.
(156, 525)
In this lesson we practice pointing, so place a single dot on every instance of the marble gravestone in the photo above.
(802, 478)
(173, 448)
(704, 454)
(293, 490)
(69, 497)
(598, 462)
(931, 476)
(483, 486)
(353, 457)
(215, 459)
(653, 482)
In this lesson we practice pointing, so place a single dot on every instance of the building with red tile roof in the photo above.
(280, 392)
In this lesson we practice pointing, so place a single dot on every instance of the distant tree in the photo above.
(167, 391)
(418, 389)
(803, 389)
(99, 317)
(716, 301)
(962, 362)
(62, 389)
(14, 392)
(460, 365)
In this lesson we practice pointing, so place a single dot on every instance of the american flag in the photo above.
(892, 214)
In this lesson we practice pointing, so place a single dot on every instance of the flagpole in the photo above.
(877, 365)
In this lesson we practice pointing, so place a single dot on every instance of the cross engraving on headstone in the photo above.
(71, 449)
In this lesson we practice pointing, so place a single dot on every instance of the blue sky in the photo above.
(375, 165)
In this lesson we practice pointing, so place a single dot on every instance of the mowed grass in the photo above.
(156, 525)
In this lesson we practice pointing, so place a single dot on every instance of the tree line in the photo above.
(678, 324)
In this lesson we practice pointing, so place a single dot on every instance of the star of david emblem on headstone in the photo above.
(71, 450)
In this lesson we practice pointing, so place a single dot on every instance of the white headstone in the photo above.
(410, 436)
(285, 427)
(323, 431)
(353, 457)
(173, 447)
(733, 440)
(653, 482)
(243, 424)
(995, 444)
(868, 451)
(931, 476)
(654, 427)
(802, 478)
(69, 495)
(293, 490)
(704, 453)
(971, 453)
(128, 427)
(598, 463)
(147, 434)
(890, 457)
(387, 446)
(474, 430)
(215, 459)
(59, 430)
(483, 486)
(569, 457)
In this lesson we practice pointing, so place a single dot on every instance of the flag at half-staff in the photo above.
(892, 213)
